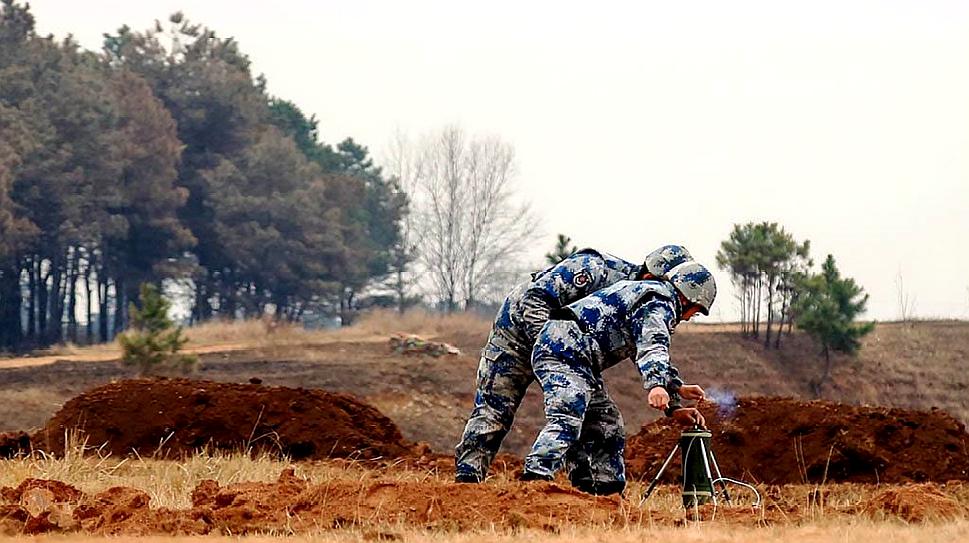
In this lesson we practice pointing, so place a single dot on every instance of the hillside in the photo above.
(918, 365)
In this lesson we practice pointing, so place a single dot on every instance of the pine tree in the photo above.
(561, 251)
(152, 342)
(826, 309)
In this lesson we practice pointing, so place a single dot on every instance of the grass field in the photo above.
(790, 513)
(906, 364)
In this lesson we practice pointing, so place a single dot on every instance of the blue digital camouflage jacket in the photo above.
(570, 280)
(632, 319)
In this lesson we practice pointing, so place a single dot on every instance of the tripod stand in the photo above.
(699, 485)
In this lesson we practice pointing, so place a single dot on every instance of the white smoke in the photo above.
(726, 401)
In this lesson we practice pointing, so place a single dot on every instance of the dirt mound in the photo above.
(12, 444)
(913, 503)
(779, 440)
(180, 416)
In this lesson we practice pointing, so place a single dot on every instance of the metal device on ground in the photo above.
(699, 483)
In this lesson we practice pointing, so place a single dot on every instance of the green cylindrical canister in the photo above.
(697, 485)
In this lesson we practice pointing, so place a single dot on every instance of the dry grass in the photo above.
(431, 325)
(252, 333)
(169, 484)
(860, 532)
(224, 336)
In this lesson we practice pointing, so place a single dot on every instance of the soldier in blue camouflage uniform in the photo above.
(505, 371)
(630, 319)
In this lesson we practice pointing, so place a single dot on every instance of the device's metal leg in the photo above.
(706, 466)
(652, 485)
(723, 484)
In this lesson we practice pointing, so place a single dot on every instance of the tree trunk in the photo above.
(43, 302)
(780, 322)
(102, 307)
(770, 311)
(58, 288)
(757, 296)
(32, 300)
(120, 305)
(203, 307)
(73, 268)
(11, 332)
(346, 306)
(743, 308)
(819, 386)
(89, 336)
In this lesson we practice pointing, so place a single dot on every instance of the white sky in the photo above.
(643, 123)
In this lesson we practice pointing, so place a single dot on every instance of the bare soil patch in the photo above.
(384, 504)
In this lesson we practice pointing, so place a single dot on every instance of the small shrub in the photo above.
(152, 340)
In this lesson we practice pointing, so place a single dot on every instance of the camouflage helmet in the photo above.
(695, 282)
(660, 262)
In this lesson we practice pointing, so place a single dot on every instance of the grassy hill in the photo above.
(917, 365)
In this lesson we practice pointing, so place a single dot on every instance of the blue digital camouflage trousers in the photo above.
(584, 428)
(504, 374)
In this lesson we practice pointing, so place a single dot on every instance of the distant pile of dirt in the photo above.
(180, 416)
(780, 440)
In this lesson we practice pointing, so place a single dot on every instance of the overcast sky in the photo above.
(643, 123)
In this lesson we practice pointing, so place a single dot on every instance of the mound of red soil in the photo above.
(179, 416)
(779, 440)
(913, 503)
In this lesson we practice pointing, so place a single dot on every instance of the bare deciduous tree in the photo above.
(469, 227)
(904, 300)
(405, 168)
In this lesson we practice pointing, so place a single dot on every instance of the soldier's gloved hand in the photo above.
(691, 392)
(659, 398)
(688, 416)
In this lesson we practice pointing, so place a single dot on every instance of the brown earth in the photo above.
(782, 440)
(769, 440)
(180, 416)
(380, 504)
(913, 503)
(911, 365)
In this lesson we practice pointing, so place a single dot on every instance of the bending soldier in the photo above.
(505, 371)
(584, 428)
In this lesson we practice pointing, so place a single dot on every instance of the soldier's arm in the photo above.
(652, 327)
(572, 279)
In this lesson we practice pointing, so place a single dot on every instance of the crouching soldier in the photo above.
(635, 319)
(505, 371)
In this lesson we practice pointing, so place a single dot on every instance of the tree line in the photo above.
(766, 264)
(162, 157)
(776, 287)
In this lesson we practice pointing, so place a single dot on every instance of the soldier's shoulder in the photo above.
(588, 251)
(659, 292)
(586, 259)
(610, 261)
